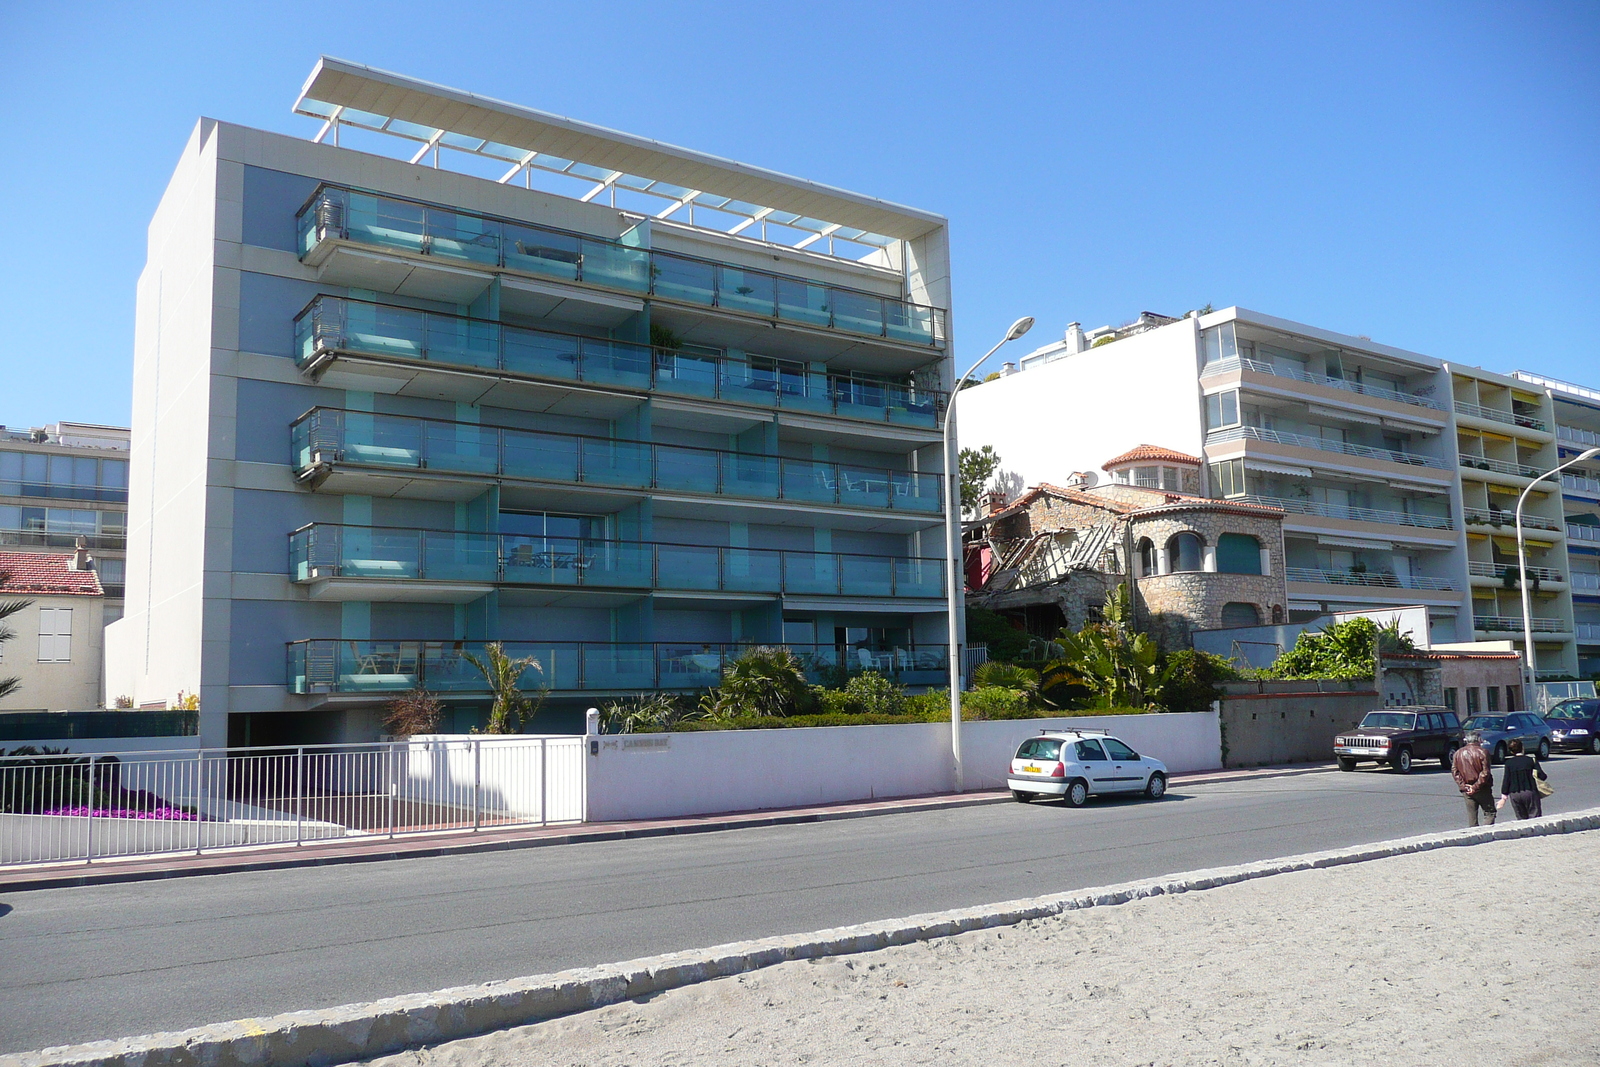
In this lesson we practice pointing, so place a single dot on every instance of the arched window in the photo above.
(1183, 552)
(1147, 558)
(1235, 613)
(1238, 554)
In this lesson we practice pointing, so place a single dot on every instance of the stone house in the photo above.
(1048, 558)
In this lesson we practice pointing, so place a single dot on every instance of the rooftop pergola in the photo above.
(637, 175)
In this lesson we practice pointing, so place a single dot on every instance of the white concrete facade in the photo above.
(57, 653)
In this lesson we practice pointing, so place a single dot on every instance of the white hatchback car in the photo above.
(1076, 763)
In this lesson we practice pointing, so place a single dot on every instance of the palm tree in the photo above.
(511, 706)
(1118, 666)
(763, 680)
(7, 609)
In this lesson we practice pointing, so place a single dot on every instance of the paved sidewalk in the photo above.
(458, 843)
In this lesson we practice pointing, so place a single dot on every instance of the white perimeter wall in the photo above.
(1081, 410)
(644, 776)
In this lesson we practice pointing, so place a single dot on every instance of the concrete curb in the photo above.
(358, 1031)
(425, 847)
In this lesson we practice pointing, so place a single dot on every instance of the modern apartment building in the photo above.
(63, 483)
(622, 406)
(1577, 429)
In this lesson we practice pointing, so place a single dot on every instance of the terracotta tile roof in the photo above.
(1150, 454)
(34, 573)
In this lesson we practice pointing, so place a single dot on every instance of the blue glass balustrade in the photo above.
(330, 665)
(331, 436)
(332, 325)
(335, 213)
(329, 550)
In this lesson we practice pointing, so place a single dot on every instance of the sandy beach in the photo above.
(1447, 957)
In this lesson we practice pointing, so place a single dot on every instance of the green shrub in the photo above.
(1006, 676)
(874, 694)
(1005, 641)
(1192, 679)
(765, 680)
(993, 702)
(833, 702)
(647, 713)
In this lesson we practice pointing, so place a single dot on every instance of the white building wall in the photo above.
(1078, 411)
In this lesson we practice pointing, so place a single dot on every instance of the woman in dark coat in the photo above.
(1516, 783)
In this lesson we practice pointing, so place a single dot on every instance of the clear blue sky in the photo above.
(1422, 173)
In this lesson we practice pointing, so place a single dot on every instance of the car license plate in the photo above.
(1028, 768)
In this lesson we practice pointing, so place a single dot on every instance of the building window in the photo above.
(1238, 554)
(1450, 698)
(1240, 614)
(1169, 478)
(1493, 693)
(1227, 478)
(1183, 552)
(1148, 477)
(1222, 409)
(1474, 705)
(55, 635)
(1147, 558)
(1511, 698)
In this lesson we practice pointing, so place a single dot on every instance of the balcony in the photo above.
(1368, 578)
(1580, 532)
(1513, 624)
(1257, 366)
(334, 326)
(1573, 435)
(1574, 483)
(334, 666)
(1508, 418)
(1295, 440)
(413, 228)
(1499, 466)
(327, 436)
(1498, 571)
(354, 555)
(1350, 514)
(1585, 584)
(1588, 631)
(59, 539)
(1498, 518)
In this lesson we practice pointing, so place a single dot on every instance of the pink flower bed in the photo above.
(124, 813)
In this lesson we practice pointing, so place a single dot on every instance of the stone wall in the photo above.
(1175, 604)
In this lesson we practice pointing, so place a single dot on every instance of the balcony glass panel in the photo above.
(750, 476)
(752, 570)
(803, 302)
(807, 573)
(691, 470)
(919, 578)
(865, 487)
(817, 483)
(866, 576)
(548, 457)
(858, 312)
(554, 255)
(691, 280)
(461, 447)
(686, 375)
(621, 463)
(464, 237)
(616, 363)
(468, 342)
(544, 355)
(750, 291)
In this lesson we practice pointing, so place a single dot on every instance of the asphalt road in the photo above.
(118, 960)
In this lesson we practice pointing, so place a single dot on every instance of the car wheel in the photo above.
(1402, 761)
(1448, 760)
(1544, 749)
(1156, 787)
(1077, 793)
(1346, 763)
(1499, 755)
(1020, 796)
(1594, 746)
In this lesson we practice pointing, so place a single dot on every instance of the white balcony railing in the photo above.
(1369, 578)
(1501, 517)
(1588, 631)
(1296, 440)
(1580, 532)
(1509, 418)
(1574, 483)
(1575, 435)
(1499, 466)
(1499, 570)
(1585, 583)
(1513, 624)
(1262, 367)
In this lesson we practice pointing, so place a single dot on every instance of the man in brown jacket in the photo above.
(1471, 770)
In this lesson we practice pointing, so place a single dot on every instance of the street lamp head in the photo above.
(1589, 454)
(1024, 324)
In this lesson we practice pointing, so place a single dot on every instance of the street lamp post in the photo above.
(1531, 674)
(953, 578)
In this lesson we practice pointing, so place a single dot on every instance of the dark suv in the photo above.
(1397, 736)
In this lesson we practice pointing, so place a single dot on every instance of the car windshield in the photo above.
(1567, 709)
(1485, 722)
(1040, 748)
(1387, 720)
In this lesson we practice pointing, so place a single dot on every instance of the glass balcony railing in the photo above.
(342, 666)
(410, 226)
(1508, 418)
(335, 324)
(1296, 440)
(62, 539)
(1576, 435)
(1371, 578)
(1577, 483)
(327, 436)
(1261, 366)
(326, 550)
(1583, 532)
(1353, 514)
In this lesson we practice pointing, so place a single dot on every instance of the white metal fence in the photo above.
(57, 807)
